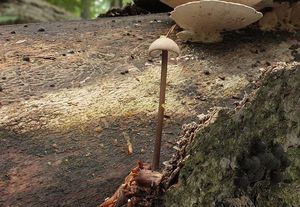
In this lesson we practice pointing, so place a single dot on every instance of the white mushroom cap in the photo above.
(163, 43)
(245, 2)
(175, 3)
(205, 20)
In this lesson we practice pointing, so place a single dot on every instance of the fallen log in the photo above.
(74, 94)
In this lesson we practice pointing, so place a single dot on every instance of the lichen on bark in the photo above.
(272, 115)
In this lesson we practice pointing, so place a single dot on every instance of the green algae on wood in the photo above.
(273, 115)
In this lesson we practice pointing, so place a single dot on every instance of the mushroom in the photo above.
(175, 3)
(245, 2)
(204, 20)
(162, 46)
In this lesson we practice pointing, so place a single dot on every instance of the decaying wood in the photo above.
(138, 184)
(247, 155)
(148, 178)
(69, 91)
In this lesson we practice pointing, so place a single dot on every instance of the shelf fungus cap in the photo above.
(204, 21)
(245, 2)
(175, 3)
(163, 43)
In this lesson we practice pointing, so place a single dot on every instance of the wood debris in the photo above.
(139, 185)
(173, 166)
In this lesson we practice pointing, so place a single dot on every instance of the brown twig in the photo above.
(171, 30)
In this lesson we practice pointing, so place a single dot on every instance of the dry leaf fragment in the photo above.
(140, 177)
(20, 41)
(129, 148)
(148, 178)
(129, 144)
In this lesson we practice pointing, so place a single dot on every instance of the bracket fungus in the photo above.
(204, 21)
(175, 3)
(162, 46)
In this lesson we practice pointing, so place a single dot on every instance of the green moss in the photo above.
(272, 116)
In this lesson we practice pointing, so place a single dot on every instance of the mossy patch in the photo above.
(273, 117)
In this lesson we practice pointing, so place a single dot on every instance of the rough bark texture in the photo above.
(23, 11)
(217, 173)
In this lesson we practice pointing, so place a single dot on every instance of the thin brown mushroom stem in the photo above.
(161, 109)
(162, 46)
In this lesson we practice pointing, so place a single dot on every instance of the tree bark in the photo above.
(86, 9)
(249, 156)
